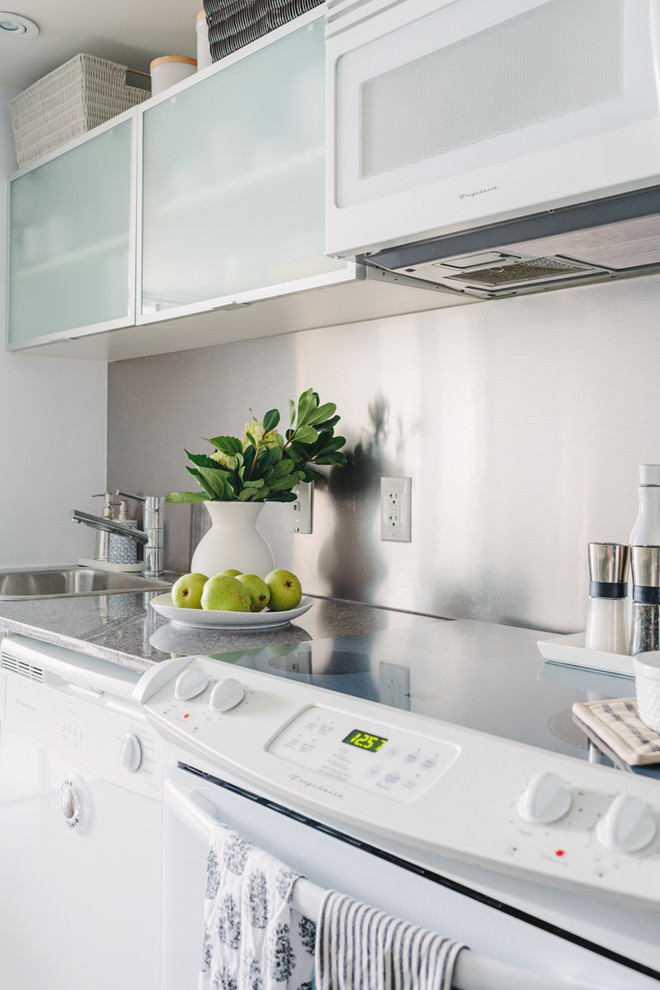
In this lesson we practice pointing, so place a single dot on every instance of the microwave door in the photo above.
(449, 115)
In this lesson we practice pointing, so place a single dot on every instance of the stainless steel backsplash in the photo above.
(521, 422)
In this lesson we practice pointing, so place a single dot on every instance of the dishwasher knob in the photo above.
(226, 694)
(131, 752)
(627, 825)
(190, 683)
(74, 802)
(68, 803)
(545, 799)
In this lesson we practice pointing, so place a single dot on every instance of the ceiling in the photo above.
(131, 32)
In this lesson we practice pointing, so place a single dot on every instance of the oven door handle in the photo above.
(471, 972)
(200, 816)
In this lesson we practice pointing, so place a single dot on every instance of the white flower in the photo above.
(224, 460)
(254, 433)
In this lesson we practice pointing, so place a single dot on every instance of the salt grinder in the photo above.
(645, 634)
(607, 619)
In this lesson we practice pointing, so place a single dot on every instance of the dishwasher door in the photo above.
(80, 840)
(332, 860)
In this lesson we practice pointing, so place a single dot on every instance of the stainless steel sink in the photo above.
(70, 579)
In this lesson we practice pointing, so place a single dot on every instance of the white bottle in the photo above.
(646, 531)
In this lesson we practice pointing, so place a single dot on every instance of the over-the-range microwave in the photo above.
(451, 121)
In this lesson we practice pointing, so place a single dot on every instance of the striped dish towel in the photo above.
(361, 948)
(619, 726)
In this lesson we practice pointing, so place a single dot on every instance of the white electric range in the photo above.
(435, 772)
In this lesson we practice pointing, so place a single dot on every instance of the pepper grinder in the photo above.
(645, 635)
(607, 619)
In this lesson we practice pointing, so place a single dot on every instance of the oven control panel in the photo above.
(399, 766)
(437, 788)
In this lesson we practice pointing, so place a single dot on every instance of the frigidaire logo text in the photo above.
(477, 192)
(317, 787)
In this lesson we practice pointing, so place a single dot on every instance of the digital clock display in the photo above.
(364, 740)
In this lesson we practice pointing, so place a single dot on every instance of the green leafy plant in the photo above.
(263, 465)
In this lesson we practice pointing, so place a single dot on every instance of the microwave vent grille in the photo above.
(344, 14)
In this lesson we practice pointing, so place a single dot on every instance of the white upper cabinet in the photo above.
(233, 179)
(196, 218)
(72, 240)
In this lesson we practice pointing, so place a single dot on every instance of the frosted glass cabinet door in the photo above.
(233, 173)
(72, 239)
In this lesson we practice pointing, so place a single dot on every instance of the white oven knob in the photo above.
(545, 799)
(190, 683)
(74, 802)
(131, 752)
(627, 825)
(226, 694)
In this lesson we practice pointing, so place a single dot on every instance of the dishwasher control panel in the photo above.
(438, 788)
(80, 709)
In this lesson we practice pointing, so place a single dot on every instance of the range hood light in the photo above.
(489, 258)
(17, 26)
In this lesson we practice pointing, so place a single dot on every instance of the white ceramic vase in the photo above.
(233, 541)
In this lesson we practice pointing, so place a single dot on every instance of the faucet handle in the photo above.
(154, 506)
(151, 499)
(153, 525)
(136, 498)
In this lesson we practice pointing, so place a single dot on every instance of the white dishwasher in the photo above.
(426, 819)
(80, 824)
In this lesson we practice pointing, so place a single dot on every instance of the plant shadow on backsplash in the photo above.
(350, 561)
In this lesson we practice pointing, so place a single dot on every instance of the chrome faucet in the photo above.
(151, 537)
(153, 524)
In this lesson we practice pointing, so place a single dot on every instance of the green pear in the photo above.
(230, 572)
(258, 590)
(285, 590)
(187, 591)
(225, 594)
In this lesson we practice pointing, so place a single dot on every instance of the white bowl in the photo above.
(647, 687)
(234, 621)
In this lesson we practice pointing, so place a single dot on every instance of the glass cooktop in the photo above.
(482, 676)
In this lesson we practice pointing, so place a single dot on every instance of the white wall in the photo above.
(52, 432)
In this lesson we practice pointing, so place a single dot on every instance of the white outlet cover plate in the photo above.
(395, 509)
(299, 513)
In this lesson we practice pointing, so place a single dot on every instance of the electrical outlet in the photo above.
(394, 685)
(395, 509)
(299, 513)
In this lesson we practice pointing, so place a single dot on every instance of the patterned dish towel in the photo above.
(619, 726)
(252, 938)
(361, 948)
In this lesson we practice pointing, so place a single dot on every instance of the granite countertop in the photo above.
(124, 629)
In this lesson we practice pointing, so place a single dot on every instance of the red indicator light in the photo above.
(187, 715)
(559, 852)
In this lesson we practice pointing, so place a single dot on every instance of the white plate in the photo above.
(216, 619)
(571, 650)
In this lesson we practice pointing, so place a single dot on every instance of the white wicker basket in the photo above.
(68, 102)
